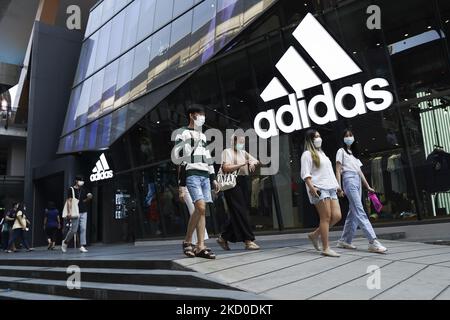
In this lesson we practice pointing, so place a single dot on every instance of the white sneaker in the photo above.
(83, 249)
(314, 241)
(376, 247)
(345, 245)
(63, 247)
(330, 253)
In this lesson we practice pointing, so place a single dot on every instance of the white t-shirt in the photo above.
(348, 161)
(322, 177)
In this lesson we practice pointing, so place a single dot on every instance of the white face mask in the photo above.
(318, 143)
(80, 183)
(240, 146)
(349, 140)
(200, 121)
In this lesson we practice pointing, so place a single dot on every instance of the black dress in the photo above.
(238, 228)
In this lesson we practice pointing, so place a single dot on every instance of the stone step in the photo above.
(114, 291)
(153, 277)
(22, 295)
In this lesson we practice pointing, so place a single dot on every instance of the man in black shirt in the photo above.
(83, 197)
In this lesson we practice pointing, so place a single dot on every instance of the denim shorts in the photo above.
(199, 188)
(324, 194)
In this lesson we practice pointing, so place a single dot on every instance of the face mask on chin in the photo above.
(318, 143)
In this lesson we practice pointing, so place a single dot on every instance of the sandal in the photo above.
(206, 254)
(223, 243)
(252, 246)
(188, 250)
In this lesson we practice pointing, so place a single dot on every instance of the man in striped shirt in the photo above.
(197, 174)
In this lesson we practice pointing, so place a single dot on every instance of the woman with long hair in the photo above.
(238, 228)
(317, 172)
(349, 175)
(19, 228)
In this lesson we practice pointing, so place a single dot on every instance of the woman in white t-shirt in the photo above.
(348, 170)
(317, 172)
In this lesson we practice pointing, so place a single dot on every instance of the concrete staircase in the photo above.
(40, 279)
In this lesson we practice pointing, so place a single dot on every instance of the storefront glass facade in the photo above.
(411, 53)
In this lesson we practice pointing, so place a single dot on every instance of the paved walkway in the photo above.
(294, 272)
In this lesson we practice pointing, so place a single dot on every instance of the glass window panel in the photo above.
(253, 8)
(92, 134)
(140, 68)
(83, 62)
(96, 95)
(108, 10)
(73, 104)
(119, 4)
(109, 86)
(81, 138)
(229, 20)
(105, 128)
(95, 19)
(116, 36)
(159, 56)
(163, 13)
(119, 120)
(146, 18)
(125, 72)
(91, 53)
(102, 49)
(130, 28)
(203, 31)
(80, 116)
(181, 6)
(179, 43)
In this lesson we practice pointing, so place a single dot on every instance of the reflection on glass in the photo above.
(95, 19)
(119, 123)
(146, 18)
(80, 116)
(116, 35)
(140, 67)
(229, 20)
(130, 28)
(92, 134)
(91, 53)
(83, 62)
(124, 79)
(180, 43)
(119, 4)
(96, 95)
(73, 104)
(158, 57)
(108, 10)
(109, 86)
(102, 50)
(163, 12)
(203, 31)
(181, 6)
(105, 125)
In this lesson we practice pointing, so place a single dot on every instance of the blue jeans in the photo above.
(324, 194)
(18, 233)
(356, 214)
(199, 188)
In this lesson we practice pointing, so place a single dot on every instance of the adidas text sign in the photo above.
(102, 170)
(336, 64)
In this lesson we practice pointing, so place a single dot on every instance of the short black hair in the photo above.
(79, 177)
(51, 205)
(194, 108)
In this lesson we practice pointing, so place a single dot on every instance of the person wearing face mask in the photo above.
(81, 221)
(196, 173)
(238, 228)
(348, 173)
(317, 172)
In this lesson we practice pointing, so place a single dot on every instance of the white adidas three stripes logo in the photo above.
(101, 170)
(335, 64)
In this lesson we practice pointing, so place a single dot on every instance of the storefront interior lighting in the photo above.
(406, 34)
(447, 21)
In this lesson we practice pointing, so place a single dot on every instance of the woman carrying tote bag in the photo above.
(238, 228)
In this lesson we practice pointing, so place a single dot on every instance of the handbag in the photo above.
(376, 202)
(74, 212)
(226, 181)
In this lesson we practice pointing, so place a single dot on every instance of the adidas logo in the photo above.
(336, 64)
(102, 170)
